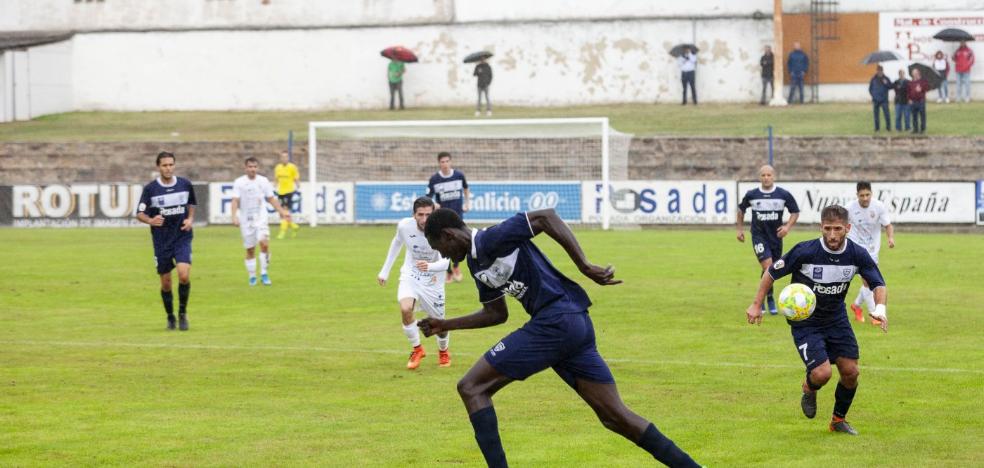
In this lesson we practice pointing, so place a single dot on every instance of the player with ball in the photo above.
(826, 266)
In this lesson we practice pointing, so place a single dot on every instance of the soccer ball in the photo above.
(797, 302)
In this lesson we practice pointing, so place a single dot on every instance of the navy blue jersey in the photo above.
(504, 260)
(172, 202)
(767, 210)
(828, 274)
(449, 191)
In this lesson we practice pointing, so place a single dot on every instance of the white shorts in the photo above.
(427, 297)
(254, 228)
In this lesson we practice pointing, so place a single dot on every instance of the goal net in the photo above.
(510, 165)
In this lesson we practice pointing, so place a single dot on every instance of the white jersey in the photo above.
(866, 225)
(252, 195)
(409, 235)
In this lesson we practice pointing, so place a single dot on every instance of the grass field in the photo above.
(745, 120)
(311, 370)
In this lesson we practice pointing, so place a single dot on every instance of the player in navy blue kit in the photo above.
(827, 265)
(559, 334)
(167, 204)
(449, 189)
(767, 203)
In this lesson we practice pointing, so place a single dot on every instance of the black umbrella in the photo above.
(953, 35)
(679, 49)
(881, 56)
(928, 74)
(478, 56)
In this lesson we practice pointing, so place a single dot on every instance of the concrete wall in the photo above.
(36, 81)
(820, 159)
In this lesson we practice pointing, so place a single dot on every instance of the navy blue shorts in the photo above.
(169, 255)
(818, 344)
(564, 342)
(766, 247)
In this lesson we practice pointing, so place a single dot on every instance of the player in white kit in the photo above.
(250, 214)
(421, 280)
(867, 216)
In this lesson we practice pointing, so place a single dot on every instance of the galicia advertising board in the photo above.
(491, 202)
(662, 202)
(907, 202)
(331, 201)
(77, 205)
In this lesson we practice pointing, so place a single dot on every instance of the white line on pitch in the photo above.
(87, 344)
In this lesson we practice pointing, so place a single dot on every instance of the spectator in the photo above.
(688, 73)
(484, 73)
(878, 89)
(963, 60)
(942, 67)
(901, 87)
(797, 64)
(395, 75)
(917, 101)
(767, 62)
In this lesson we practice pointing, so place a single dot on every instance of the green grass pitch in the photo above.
(311, 370)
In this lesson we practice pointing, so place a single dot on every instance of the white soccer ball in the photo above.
(797, 302)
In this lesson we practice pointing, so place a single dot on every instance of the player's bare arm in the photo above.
(156, 221)
(881, 298)
(234, 209)
(549, 222)
(890, 231)
(190, 220)
(740, 226)
(754, 311)
(788, 226)
(492, 313)
(284, 212)
(466, 204)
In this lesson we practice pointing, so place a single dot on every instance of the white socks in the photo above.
(869, 299)
(442, 343)
(251, 267)
(413, 335)
(264, 260)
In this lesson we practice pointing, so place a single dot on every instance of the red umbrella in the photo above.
(399, 53)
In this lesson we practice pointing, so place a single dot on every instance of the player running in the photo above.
(250, 214)
(449, 189)
(867, 218)
(767, 203)
(559, 335)
(421, 282)
(827, 265)
(288, 179)
(167, 204)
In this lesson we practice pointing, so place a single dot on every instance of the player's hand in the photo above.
(381, 280)
(186, 224)
(754, 314)
(883, 319)
(891, 242)
(431, 326)
(603, 276)
(782, 231)
(466, 208)
(422, 265)
(157, 221)
(741, 236)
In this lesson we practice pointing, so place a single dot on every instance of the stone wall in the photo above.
(820, 158)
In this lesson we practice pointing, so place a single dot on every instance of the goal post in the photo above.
(509, 163)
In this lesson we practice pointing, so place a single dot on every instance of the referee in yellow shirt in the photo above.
(288, 178)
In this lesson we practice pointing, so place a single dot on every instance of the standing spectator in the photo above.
(484, 73)
(395, 75)
(917, 101)
(942, 67)
(768, 63)
(878, 89)
(688, 73)
(901, 87)
(797, 64)
(963, 60)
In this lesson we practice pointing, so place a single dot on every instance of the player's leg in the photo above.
(763, 253)
(265, 259)
(476, 389)
(770, 300)
(431, 300)
(284, 199)
(843, 349)
(407, 298)
(811, 348)
(248, 232)
(167, 296)
(862, 296)
(182, 259)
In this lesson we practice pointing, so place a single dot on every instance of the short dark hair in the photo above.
(421, 202)
(863, 185)
(834, 213)
(442, 155)
(251, 160)
(440, 219)
(164, 154)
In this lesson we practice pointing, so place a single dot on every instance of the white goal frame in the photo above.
(602, 122)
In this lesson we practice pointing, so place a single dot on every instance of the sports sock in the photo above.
(168, 298)
(264, 260)
(251, 267)
(869, 299)
(843, 397)
(283, 226)
(294, 225)
(412, 334)
(860, 297)
(663, 449)
(486, 427)
(810, 384)
(442, 343)
(183, 291)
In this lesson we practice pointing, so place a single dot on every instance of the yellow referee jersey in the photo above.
(286, 174)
